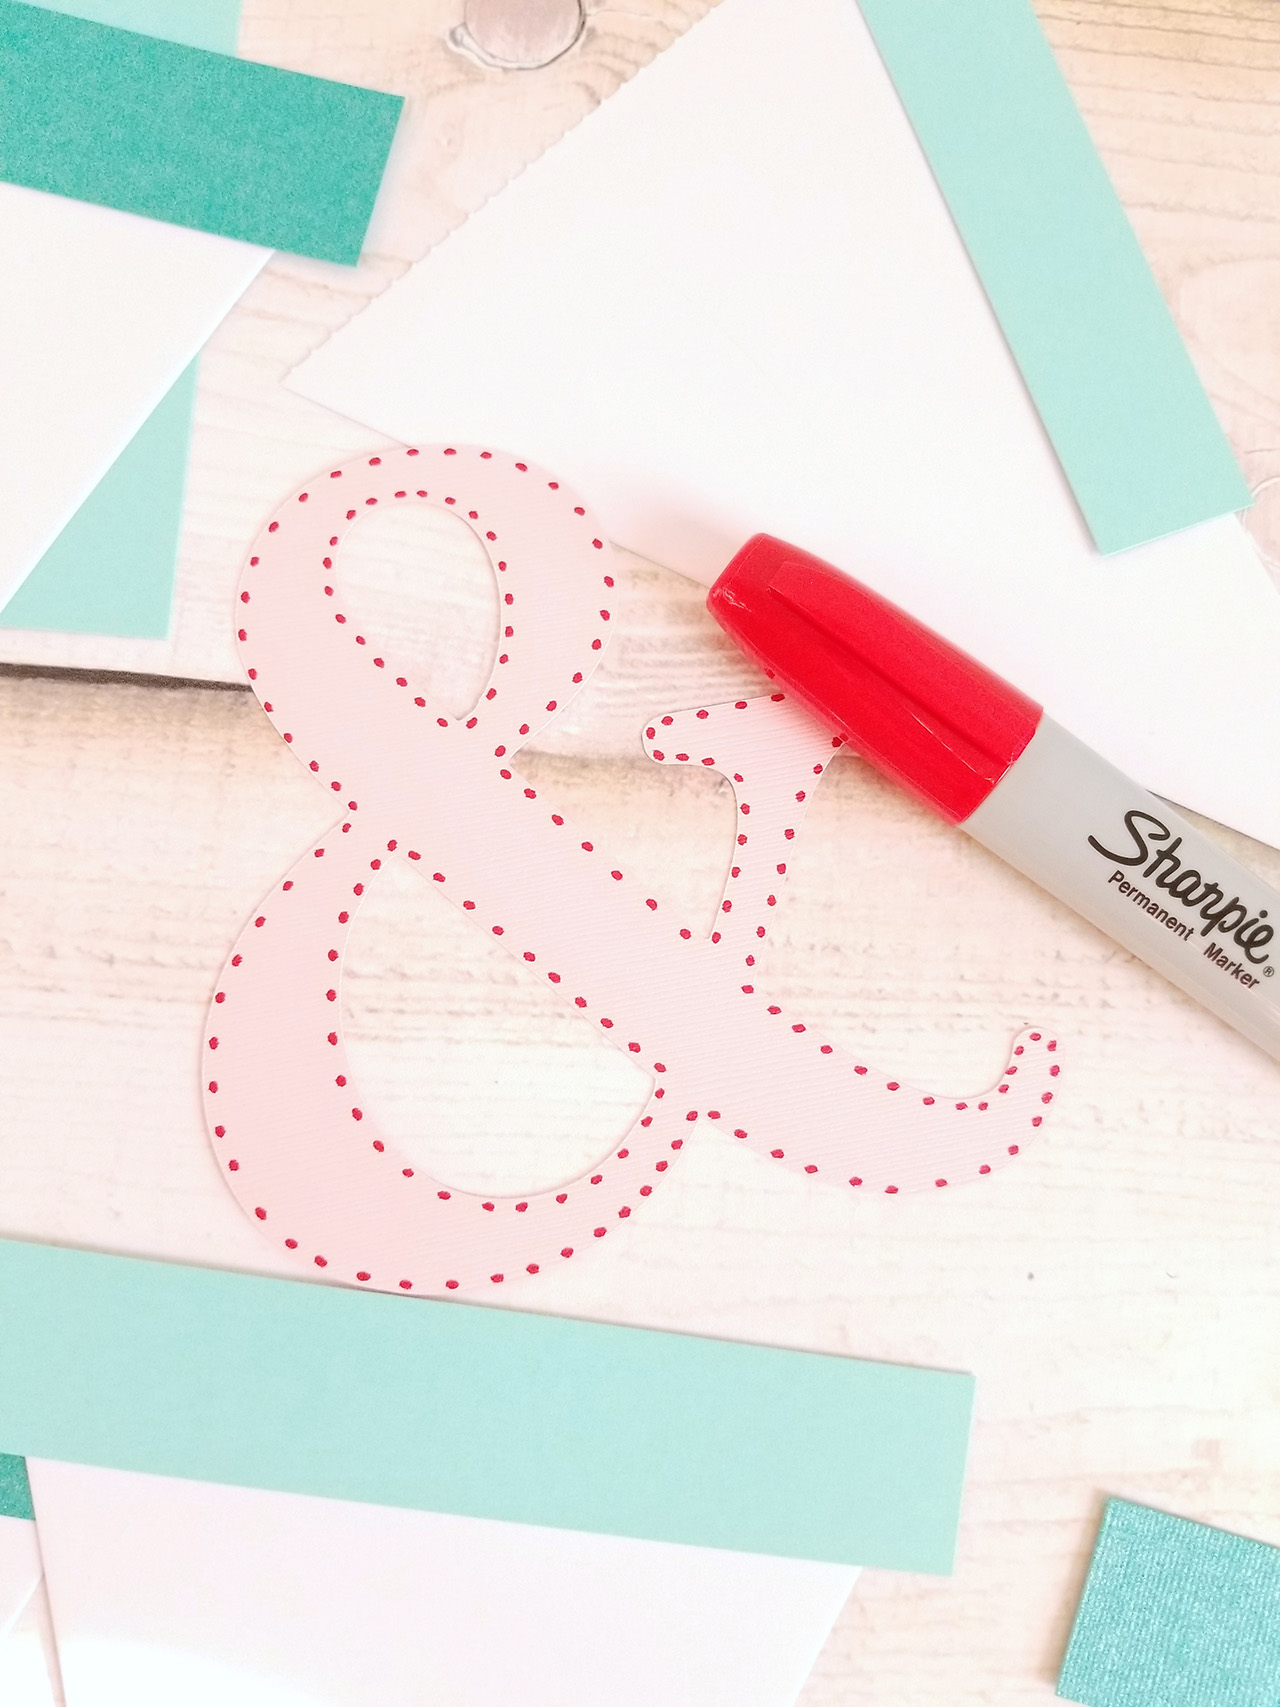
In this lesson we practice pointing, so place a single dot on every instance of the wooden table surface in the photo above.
(1115, 1290)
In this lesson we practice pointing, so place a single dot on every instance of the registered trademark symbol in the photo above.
(1268, 971)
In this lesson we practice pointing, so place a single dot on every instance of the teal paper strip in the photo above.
(212, 24)
(15, 1490)
(110, 570)
(1104, 363)
(1175, 1614)
(196, 138)
(482, 1412)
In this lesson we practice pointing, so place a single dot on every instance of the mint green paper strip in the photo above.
(111, 569)
(1104, 363)
(308, 1388)
(1175, 1614)
(196, 138)
(212, 24)
(15, 1490)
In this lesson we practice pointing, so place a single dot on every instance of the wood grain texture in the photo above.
(1115, 1290)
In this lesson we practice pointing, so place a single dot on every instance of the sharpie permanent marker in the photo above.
(986, 757)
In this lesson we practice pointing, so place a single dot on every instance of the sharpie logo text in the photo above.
(1221, 913)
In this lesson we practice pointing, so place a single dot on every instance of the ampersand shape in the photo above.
(412, 782)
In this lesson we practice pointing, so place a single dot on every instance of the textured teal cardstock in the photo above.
(1104, 363)
(482, 1412)
(195, 138)
(110, 570)
(15, 1490)
(1175, 1614)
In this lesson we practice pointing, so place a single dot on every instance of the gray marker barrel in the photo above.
(974, 748)
(1132, 866)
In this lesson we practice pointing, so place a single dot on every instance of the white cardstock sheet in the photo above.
(101, 312)
(19, 1569)
(733, 300)
(167, 1591)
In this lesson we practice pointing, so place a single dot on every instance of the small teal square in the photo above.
(15, 1490)
(1175, 1614)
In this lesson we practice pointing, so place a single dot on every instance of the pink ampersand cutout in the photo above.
(411, 782)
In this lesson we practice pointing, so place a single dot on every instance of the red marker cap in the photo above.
(920, 710)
